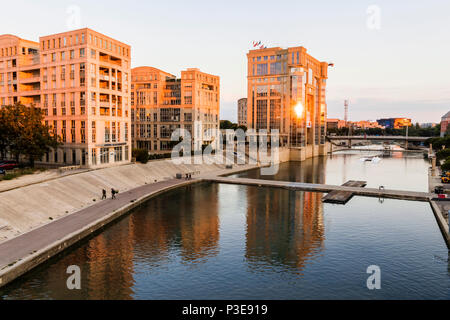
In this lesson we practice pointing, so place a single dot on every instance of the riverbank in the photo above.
(23, 252)
(440, 208)
(39, 202)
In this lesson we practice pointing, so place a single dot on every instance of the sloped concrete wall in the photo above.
(26, 208)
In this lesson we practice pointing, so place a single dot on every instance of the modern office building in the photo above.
(162, 103)
(81, 81)
(286, 92)
(395, 123)
(242, 112)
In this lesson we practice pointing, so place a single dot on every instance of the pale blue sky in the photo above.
(401, 69)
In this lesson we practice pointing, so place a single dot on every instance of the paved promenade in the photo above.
(371, 192)
(32, 244)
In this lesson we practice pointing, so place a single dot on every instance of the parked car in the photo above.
(8, 164)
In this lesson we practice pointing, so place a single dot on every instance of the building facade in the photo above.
(242, 112)
(162, 103)
(286, 92)
(81, 81)
(445, 120)
(335, 124)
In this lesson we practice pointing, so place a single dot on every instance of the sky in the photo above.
(391, 58)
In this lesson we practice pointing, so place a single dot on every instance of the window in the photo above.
(275, 68)
(117, 154)
(104, 155)
(83, 132)
(107, 131)
(72, 130)
(261, 69)
(82, 52)
(72, 54)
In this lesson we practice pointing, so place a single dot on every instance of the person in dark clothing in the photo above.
(103, 194)
(113, 193)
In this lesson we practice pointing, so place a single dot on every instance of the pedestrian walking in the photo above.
(113, 193)
(103, 194)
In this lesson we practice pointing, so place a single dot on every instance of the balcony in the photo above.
(30, 79)
(104, 111)
(30, 92)
(104, 104)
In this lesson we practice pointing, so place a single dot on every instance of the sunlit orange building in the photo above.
(162, 103)
(81, 81)
(286, 92)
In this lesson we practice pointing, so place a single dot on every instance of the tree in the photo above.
(227, 124)
(141, 155)
(24, 133)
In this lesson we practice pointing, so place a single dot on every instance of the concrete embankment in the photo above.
(26, 208)
(137, 184)
(440, 207)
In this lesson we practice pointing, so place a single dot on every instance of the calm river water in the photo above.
(214, 241)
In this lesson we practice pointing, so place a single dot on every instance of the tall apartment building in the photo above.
(162, 103)
(286, 91)
(81, 81)
(242, 112)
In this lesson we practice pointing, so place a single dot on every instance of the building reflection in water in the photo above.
(285, 229)
(183, 223)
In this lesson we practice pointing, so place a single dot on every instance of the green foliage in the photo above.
(23, 133)
(443, 154)
(413, 131)
(438, 143)
(160, 156)
(227, 124)
(446, 165)
(18, 173)
(141, 155)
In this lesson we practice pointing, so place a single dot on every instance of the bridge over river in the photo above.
(380, 138)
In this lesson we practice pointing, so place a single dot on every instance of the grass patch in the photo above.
(16, 173)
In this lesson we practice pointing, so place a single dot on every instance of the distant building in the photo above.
(366, 124)
(394, 123)
(444, 123)
(428, 125)
(335, 124)
(242, 112)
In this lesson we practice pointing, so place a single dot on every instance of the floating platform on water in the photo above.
(342, 197)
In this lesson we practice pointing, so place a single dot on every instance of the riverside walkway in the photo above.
(28, 250)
